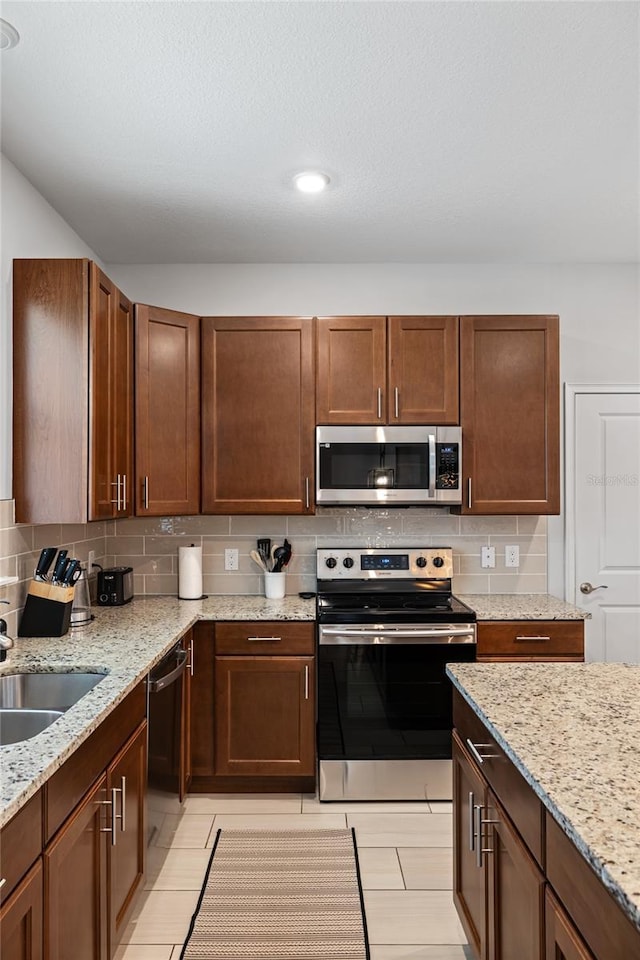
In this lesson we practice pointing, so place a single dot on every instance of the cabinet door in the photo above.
(103, 492)
(423, 370)
(515, 915)
(257, 410)
(251, 689)
(122, 401)
(21, 919)
(563, 942)
(510, 410)
(167, 412)
(351, 381)
(469, 880)
(75, 876)
(127, 776)
(202, 692)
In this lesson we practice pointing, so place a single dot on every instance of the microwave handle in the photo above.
(432, 465)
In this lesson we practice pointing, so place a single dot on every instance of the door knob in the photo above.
(589, 587)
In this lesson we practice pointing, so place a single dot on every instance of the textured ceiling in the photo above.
(452, 132)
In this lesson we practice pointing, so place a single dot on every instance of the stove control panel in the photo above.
(368, 564)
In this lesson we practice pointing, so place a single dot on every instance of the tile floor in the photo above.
(405, 861)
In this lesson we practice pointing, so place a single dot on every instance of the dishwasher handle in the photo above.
(155, 686)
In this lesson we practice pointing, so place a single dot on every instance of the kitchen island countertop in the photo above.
(572, 730)
(124, 643)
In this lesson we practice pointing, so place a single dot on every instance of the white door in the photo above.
(603, 517)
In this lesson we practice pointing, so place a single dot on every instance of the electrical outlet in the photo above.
(230, 559)
(512, 556)
(487, 556)
(91, 559)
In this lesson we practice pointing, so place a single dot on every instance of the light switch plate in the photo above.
(487, 556)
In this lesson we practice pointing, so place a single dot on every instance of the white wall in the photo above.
(30, 227)
(598, 308)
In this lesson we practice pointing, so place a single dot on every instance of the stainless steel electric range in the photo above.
(387, 626)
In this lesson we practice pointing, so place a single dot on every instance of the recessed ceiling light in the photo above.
(310, 181)
(9, 36)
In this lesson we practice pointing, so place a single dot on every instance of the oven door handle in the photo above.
(420, 635)
(160, 683)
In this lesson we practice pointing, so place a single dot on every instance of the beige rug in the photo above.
(280, 895)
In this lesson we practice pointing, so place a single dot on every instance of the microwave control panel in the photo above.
(447, 466)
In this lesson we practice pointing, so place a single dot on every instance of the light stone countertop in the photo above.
(124, 643)
(572, 730)
(521, 606)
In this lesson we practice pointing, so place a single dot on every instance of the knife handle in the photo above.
(61, 563)
(44, 562)
(70, 569)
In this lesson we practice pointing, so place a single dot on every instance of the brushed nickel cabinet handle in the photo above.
(123, 803)
(117, 501)
(469, 500)
(396, 400)
(472, 832)
(307, 501)
(145, 493)
(379, 403)
(536, 639)
(264, 639)
(124, 491)
(481, 757)
(191, 654)
(306, 682)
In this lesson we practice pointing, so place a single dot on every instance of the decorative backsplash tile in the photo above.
(150, 546)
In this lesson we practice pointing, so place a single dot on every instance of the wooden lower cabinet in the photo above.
(127, 776)
(563, 942)
(498, 887)
(469, 880)
(522, 889)
(515, 888)
(265, 716)
(76, 883)
(21, 919)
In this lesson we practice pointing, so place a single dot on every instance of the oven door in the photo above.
(397, 465)
(383, 696)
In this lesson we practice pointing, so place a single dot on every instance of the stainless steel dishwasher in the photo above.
(166, 713)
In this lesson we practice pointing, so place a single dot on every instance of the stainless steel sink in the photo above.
(45, 691)
(17, 725)
(31, 702)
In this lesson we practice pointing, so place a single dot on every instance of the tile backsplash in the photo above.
(150, 546)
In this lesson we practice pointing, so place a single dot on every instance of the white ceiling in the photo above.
(452, 132)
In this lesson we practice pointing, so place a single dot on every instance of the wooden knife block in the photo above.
(47, 611)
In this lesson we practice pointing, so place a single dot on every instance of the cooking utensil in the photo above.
(272, 558)
(60, 564)
(259, 559)
(287, 546)
(44, 562)
(264, 549)
(279, 554)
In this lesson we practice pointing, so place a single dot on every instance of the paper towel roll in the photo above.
(189, 573)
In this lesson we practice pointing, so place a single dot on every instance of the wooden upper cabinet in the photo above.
(351, 374)
(257, 415)
(73, 393)
(510, 414)
(167, 381)
(395, 370)
(423, 370)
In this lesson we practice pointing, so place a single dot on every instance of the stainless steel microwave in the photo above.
(401, 466)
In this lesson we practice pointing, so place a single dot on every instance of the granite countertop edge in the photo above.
(128, 643)
(630, 908)
(522, 606)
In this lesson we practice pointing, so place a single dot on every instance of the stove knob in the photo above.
(331, 562)
(421, 562)
(438, 562)
(347, 562)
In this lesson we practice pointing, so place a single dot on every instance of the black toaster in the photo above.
(115, 586)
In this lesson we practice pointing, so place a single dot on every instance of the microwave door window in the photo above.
(351, 466)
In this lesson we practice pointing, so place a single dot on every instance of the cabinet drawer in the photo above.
(20, 844)
(517, 797)
(265, 637)
(531, 639)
